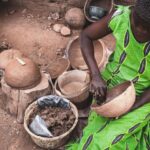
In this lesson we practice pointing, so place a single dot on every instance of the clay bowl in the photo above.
(7, 55)
(73, 82)
(58, 67)
(48, 143)
(106, 4)
(124, 2)
(118, 102)
(76, 58)
(74, 86)
(22, 73)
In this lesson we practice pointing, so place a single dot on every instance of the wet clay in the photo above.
(58, 120)
(75, 55)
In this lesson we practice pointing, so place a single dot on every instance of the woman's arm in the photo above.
(141, 100)
(93, 32)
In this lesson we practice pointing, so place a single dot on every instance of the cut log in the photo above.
(20, 99)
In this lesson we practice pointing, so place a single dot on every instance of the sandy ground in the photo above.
(26, 27)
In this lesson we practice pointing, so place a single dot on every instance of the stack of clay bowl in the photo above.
(118, 102)
(105, 4)
(44, 142)
(124, 2)
(22, 73)
(74, 85)
(76, 58)
(58, 67)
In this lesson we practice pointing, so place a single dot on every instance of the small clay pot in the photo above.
(22, 73)
(119, 101)
(76, 58)
(7, 55)
(74, 17)
(106, 5)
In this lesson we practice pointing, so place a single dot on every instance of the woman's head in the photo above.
(142, 13)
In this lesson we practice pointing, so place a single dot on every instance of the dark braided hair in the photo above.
(142, 8)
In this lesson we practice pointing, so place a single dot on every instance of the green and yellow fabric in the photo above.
(129, 61)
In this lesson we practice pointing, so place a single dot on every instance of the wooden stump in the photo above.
(18, 100)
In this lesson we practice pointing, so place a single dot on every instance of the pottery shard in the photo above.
(65, 31)
(57, 27)
(18, 100)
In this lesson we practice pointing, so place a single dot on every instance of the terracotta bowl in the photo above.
(106, 4)
(76, 58)
(7, 55)
(58, 67)
(73, 88)
(118, 102)
(22, 73)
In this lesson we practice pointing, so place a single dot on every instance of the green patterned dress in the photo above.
(130, 61)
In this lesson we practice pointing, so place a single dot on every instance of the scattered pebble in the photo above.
(24, 11)
(65, 31)
(57, 27)
(12, 12)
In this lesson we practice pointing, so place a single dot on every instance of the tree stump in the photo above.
(18, 100)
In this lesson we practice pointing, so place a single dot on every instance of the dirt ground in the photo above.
(26, 26)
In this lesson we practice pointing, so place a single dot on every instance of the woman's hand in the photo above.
(99, 89)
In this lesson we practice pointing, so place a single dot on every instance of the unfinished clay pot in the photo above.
(124, 2)
(75, 18)
(22, 73)
(118, 102)
(7, 55)
(74, 85)
(48, 143)
(58, 67)
(76, 58)
(107, 5)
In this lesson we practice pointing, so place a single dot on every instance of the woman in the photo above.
(130, 61)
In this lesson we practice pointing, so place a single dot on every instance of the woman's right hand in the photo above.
(98, 88)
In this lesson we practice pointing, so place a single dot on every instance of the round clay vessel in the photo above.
(22, 74)
(118, 102)
(58, 67)
(48, 143)
(76, 58)
(105, 4)
(73, 88)
(74, 17)
(7, 55)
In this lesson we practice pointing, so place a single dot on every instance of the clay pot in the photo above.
(76, 58)
(48, 143)
(75, 18)
(124, 2)
(73, 85)
(58, 67)
(7, 55)
(107, 5)
(22, 73)
(119, 101)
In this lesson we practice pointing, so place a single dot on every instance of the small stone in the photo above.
(12, 12)
(65, 31)
(57, 27)
(55, 16)
(24, 11)
(49, 18)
